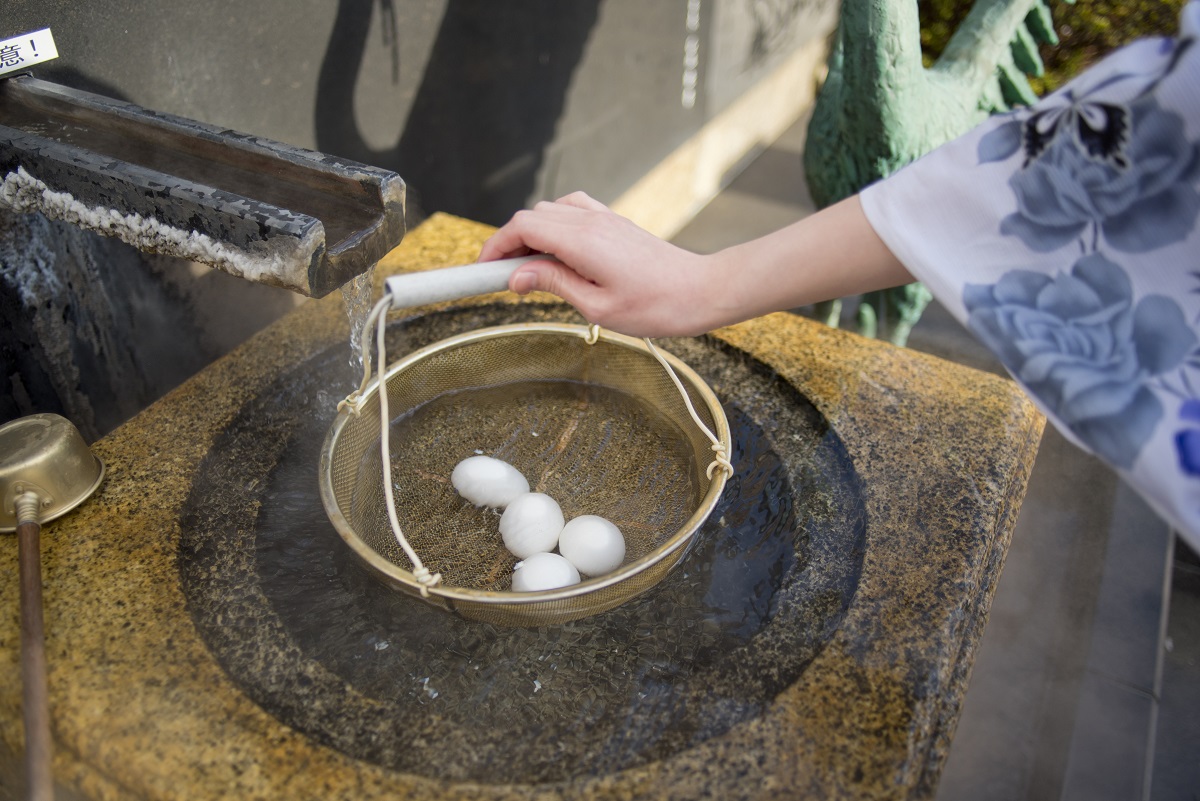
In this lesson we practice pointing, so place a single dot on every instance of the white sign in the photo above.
(22, 52)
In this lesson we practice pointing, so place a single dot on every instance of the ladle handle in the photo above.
(453, 283)
(39, 776)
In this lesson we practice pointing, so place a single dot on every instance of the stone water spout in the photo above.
(258, 209)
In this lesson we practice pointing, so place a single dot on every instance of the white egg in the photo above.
(485, 481)
(594, 545)
(531, 524)
(543, 571)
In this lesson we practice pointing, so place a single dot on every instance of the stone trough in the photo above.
(209, 637)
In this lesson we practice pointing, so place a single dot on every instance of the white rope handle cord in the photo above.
(720, 456)
(377, 319)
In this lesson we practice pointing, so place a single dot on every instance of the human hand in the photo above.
(617, 275)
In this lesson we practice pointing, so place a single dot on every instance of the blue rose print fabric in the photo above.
(1065, 237)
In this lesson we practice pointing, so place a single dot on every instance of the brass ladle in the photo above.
(46, 470)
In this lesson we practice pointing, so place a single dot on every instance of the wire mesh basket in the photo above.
(593, 419)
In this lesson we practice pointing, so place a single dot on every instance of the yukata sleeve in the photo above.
(1065, 237)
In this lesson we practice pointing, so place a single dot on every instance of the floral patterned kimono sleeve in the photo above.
(1065, 237)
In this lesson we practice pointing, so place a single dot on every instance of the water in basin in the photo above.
(308, 634)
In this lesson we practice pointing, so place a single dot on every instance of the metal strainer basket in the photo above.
(591, 418)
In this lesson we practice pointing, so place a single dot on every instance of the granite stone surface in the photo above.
(161, 691)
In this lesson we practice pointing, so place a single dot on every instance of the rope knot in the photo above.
(353, 403)
(426, 579)
(720, 460)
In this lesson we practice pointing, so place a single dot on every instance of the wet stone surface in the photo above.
(314, 640)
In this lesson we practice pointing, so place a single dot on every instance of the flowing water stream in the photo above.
(356, 293)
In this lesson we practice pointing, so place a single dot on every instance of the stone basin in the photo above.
(208, 638)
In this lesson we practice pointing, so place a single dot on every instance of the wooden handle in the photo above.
(38, 774)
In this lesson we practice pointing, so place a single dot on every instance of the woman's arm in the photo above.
(625, 279)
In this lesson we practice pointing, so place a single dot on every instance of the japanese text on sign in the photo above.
(22, 52)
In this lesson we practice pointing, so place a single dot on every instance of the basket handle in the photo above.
(407, 290)
(452, 283)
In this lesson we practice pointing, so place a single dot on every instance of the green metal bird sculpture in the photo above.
(881, 108)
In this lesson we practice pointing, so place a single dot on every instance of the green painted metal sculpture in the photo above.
(881, 108)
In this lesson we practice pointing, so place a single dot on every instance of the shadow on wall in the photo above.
(490, 97)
